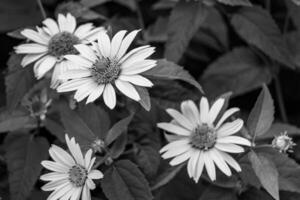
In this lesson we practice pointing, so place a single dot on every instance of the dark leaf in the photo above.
(24, 155)
(55, 128)
(257, 27)
(239, 71)
(118, 146)
(214, 193)
(236, 2)
(145, 98)
(293, 42)
(266, 172)
(18, 81)
(167, 70)
(117, 129)
(185, 20)
(124, 181)
(294, 12)
(278, 128)
(262, 114)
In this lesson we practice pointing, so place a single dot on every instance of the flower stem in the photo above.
(140, 17)
(280, 100)
(42, 9)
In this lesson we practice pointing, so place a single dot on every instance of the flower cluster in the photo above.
(86, 60)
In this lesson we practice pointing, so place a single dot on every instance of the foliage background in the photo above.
(226, 45)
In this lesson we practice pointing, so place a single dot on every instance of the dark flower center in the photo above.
(105, 71)
(62, 44)
(77, 175)
(203, 137)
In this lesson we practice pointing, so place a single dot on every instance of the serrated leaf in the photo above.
(236, 2)
(266, 172)
(213, 193)
(257, 27)
(262, 114)
(75, 125)
(124, 181)
(24, 155)
(167, 70)
(118, 146)
(289, 170)
(185, 20)
(278, 128)
(18, 81)
(145, 97)
(14, 120)
(117, 129)
(239, 71)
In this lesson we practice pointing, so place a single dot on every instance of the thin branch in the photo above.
(280, 99)
(41, 7)
(140, 17)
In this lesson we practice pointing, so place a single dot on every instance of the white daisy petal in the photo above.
(219, 161)
(86, 51)
(71, 22)
(54, 176)
(138, 67)
(42, 68)
(231, 148)
(86, 194)
(51, 26)
(62, 23)
(172, 152)
(54, 185)
(190, 111)
(104, 44)
(230, 128)
(68, 194)
(138, 56)
(83, 30)
(137, 80)
(31, 48)
(30, 58)
(92, 35)
(209, 166)
(180, 158)
(230, 161)
(53, 166)
(174, 129)
(116, 43)
(58, 193)
(90, 184)
(180, 119)
(75, 150)
(91, 164)
(96, 93)
(72, 85)
(76, 194)
(34, 36)
(79, 60)
(215, 109)
(227, 114)
(191, 166)
(175, 144)
(126, 43)
(76, 73)
(109, 96)
(132, 53)
(234, 140)
(199, 166)
(127, 89)
(61, 156)
(95, 174)
(87, 158)
(204, 110)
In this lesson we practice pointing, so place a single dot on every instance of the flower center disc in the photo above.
(203, 137)
(105, 71)
(62, 44)
(77, 175)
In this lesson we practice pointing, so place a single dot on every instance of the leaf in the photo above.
(157, 31)
(24, 155)
(239, 71)
(278, 128)
(145, 97)
(293, 42)
(294, 12)
(167, 70)
(289, 170)
(262, 114)
(18, 13)
(165, 177)
(236, 2)
(184, 21)
(124, 181)
(256, 26)
(55, 128)
(266, 172)
(75, 125)
(118, 146)
(18, 81)
(117, 129)
(213, 193)
(17, 119)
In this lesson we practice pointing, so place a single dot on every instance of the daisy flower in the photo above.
(283, 143)
(51, 42)
(72, 174)
(106, 65)
(201, 141)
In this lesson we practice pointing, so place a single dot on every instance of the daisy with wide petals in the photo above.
(201, 141)
(106, 65)
(49, 44)
(72, 175)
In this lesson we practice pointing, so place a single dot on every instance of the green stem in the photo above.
(42, 9)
